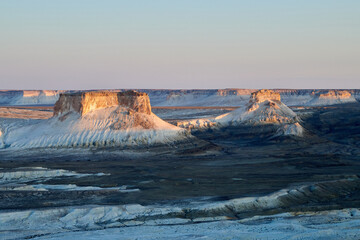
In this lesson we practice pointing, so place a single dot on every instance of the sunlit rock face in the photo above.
(85, 102)
(1, 139)
(332, 94)
(264, 95)
(331, 97)
(264, 106)
(98, 119)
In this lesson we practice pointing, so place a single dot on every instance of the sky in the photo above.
(104, 44)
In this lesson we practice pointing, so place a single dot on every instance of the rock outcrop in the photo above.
(178, 97)
(332, 94)
(37, 93)
(28, 97)
(98, 119)
(1, 139)
(264, 95)
(264, 107)
(234, 92)
(84, 102)
(330, 97)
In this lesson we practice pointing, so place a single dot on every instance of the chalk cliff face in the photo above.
(330, 97)
(28, 97)
(264, 107)
(84, 102)
(98, 119)
(334, 95)
(38, 93)
(264, 95)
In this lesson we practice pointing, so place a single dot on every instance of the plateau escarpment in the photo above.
(331, 97)
(98, 119)
(191, 97)
(29, 97)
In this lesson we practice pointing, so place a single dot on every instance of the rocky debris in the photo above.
(84, 102)
(294, 129)
(196, 123)
(306, 199)
(131, 119)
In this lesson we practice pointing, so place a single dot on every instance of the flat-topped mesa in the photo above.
(330, 97)
(84, 102)
(264, 95)
(332, 94)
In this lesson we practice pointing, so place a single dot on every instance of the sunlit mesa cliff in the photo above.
(84, 102)
(98, 119)
(322, 98)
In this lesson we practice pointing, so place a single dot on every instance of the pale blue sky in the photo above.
(87, 44)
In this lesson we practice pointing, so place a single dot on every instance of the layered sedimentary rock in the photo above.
(84, 102)
(264, 107)
(37, 93)
(197, 97)
(330, 97)
(98, 119)
(29, 97)
(177, 97)
(332, 94)
(264, 95)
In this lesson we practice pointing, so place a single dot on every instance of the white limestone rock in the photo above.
(98, 119)
(330, 97)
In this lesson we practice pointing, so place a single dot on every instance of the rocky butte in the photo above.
(264, 107)
(84, 102)
(102, 118)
